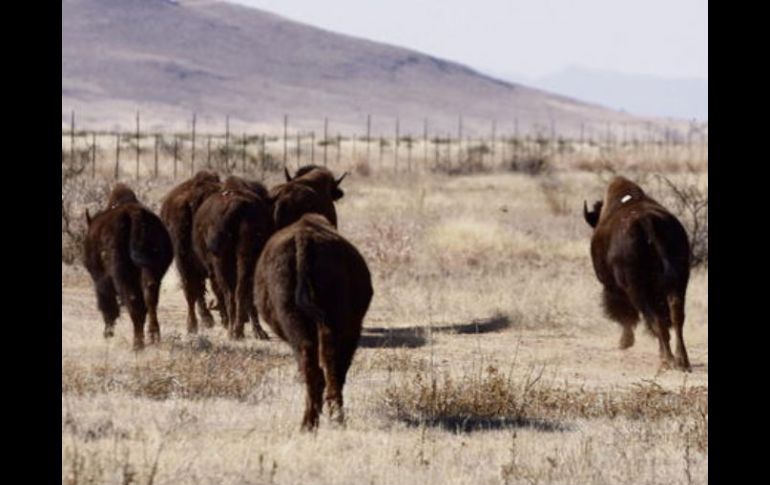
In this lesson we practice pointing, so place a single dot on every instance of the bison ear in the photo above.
(286, 173)
(592, 217)
(88, 218)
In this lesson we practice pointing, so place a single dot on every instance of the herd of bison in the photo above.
(277, 253)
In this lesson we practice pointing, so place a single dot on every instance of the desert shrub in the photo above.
(493, 396)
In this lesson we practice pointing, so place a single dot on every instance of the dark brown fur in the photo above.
(229, 231)
(313, 288)
(177, 212)
(127, 253)
(313, 189)
(641, 255)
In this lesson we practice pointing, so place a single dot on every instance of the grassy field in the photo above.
(485, 357)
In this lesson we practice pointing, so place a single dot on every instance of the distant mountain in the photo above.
(171, 58)
(634, 93)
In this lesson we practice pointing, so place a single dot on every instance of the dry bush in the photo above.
(196, 369)
(531, 165)
(388, 245)
(363, 168)
(489, 398)
(691, 205)
(78, 193)
(553, 190)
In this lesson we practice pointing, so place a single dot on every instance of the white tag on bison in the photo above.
(625, 199)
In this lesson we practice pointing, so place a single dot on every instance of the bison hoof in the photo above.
(138, 346)
(208, 321)
(260, 334)
(154, 337)
(626, 340)
(309, 423)
(683, 365)
(336, 415)
(109, 332)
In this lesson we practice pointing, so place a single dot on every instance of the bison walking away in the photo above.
(177, 212)
(313, 288)
(127, 252)
(641, 255)
(313, 189)
(230, 229)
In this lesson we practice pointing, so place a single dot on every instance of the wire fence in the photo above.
(142, 154)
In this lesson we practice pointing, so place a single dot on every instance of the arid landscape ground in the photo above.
(485, 356)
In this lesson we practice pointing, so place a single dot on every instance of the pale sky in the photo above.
(666, 38)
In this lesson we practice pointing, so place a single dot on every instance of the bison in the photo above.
(313, 189)
(641, 255)
(177, 212)
(229, 230)
(313, 288)
(127, 253)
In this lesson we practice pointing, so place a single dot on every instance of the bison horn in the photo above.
(88, 218)
(286, 173)
(591, 217)
(339, 180)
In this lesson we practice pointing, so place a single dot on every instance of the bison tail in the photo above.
(140, 245)
(669, 273)
(304, 295)
(224, 228)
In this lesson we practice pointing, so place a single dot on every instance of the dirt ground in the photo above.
(475, 277)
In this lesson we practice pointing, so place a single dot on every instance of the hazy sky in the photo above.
(667, 38)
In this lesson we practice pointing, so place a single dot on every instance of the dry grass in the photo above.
(485, 359)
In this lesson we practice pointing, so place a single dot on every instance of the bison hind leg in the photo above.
(107, 301)
(151, 289)
(314, 382)
(676, 309)
(619, 308)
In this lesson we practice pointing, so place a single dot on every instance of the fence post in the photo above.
(157, 143)
(117, 155)
(326, 137)
(227, 143)
(285, 127)
(492, 149)
(176, 152)
(409, 154)
(93, 155)
(312, 147)
(368, 135)
(137, 145)
(395, 148)
(192, 150)
(262, 147)
(208, 152)
(243, 154)
(299, 149)
(435, 142)
(72, 139)
(425, 140)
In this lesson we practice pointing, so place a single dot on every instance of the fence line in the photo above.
(260, 152)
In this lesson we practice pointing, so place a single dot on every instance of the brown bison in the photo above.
(313, 288)
(127, 252)
(177, 212)
(641, 255)
(313, 189)
(230, 229)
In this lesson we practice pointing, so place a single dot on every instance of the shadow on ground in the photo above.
(414, 337)
(470, 424)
